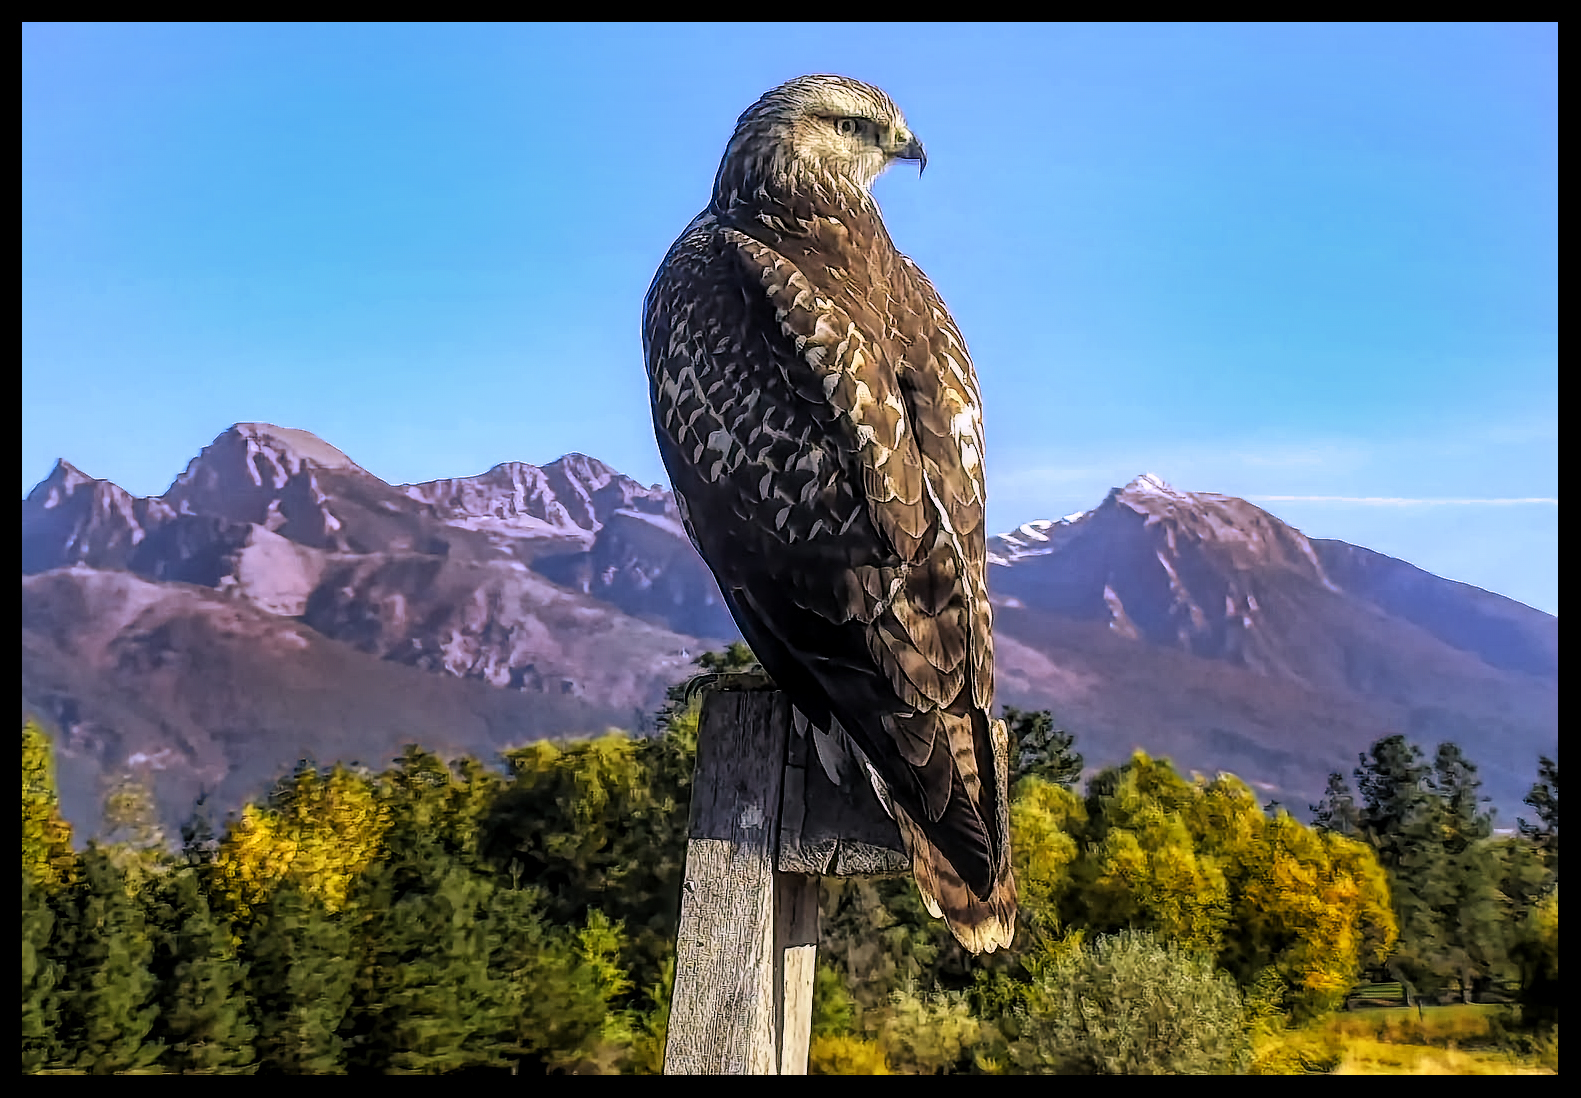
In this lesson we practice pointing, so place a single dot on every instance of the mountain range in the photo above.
(279, 602)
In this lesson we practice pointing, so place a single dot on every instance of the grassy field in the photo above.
(1442, 1040)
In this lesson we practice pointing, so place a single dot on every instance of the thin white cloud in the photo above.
(1401, 501)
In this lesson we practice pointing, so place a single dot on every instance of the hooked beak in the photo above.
(912, 150)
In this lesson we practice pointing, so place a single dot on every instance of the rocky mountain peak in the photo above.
(1150, 484)
(253, 459)
(62, 481)
(71, 518)
(586, 470)
(260, 453)
(291, 446)
(1241, 534)
(591, 491)
(1188, 570)
(260, 473)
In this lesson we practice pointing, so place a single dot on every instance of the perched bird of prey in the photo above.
(820, 420)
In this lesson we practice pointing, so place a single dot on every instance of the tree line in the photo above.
(447, 916)
(1469, 904)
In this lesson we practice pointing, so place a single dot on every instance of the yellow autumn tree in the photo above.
(132, 834)
(1224, 817)
(1201, 864)
(47, 858)
(1375, 930)
(1315, 906)
(321, 830)
(1141, 866)
(1043, 817)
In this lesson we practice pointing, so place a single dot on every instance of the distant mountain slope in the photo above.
(211, 693)
(1201, 626)
(279, 600)
(383, 585)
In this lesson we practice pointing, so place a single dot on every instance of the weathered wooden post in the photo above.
(766, 824)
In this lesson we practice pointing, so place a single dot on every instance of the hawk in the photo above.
(820, 420)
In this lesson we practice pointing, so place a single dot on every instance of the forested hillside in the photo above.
(442, 916)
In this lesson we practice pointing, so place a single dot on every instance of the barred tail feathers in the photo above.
(981, 926)
(980, 904)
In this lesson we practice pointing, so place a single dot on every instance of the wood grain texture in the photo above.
(723, 1009)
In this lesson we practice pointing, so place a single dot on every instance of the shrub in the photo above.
(1129, 1005)
(930, 1033)
(845, 1055)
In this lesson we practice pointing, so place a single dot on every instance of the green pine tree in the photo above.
(110, 1010)
(426, 1001)
(1393, 782)
(1467, 880)
(562, 984)
(41, 976)
(1040, 749)
(459, 971)
(1432, 831)
(300, 978)
(1400, 819)
(1337, 810)
(204, 1018)
(1544, 802)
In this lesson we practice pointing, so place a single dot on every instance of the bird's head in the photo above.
(815, 129)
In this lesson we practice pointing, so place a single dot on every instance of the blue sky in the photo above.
(1310, 265)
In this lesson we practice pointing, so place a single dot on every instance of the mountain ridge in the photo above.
(1193, 624)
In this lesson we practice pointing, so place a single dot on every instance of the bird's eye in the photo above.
(846, 126)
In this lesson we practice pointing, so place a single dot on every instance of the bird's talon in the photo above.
(728, 682)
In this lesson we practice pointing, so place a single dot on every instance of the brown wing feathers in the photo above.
(827, 440)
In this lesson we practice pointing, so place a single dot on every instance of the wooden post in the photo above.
(795, 963)
(766, 822)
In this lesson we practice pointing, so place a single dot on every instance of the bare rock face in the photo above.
(643, 562)
(275, 574)
(498, 622)
(280, 600)
(512, 500)
(71, 518)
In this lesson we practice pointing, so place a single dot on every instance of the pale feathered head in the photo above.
(815, 129)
